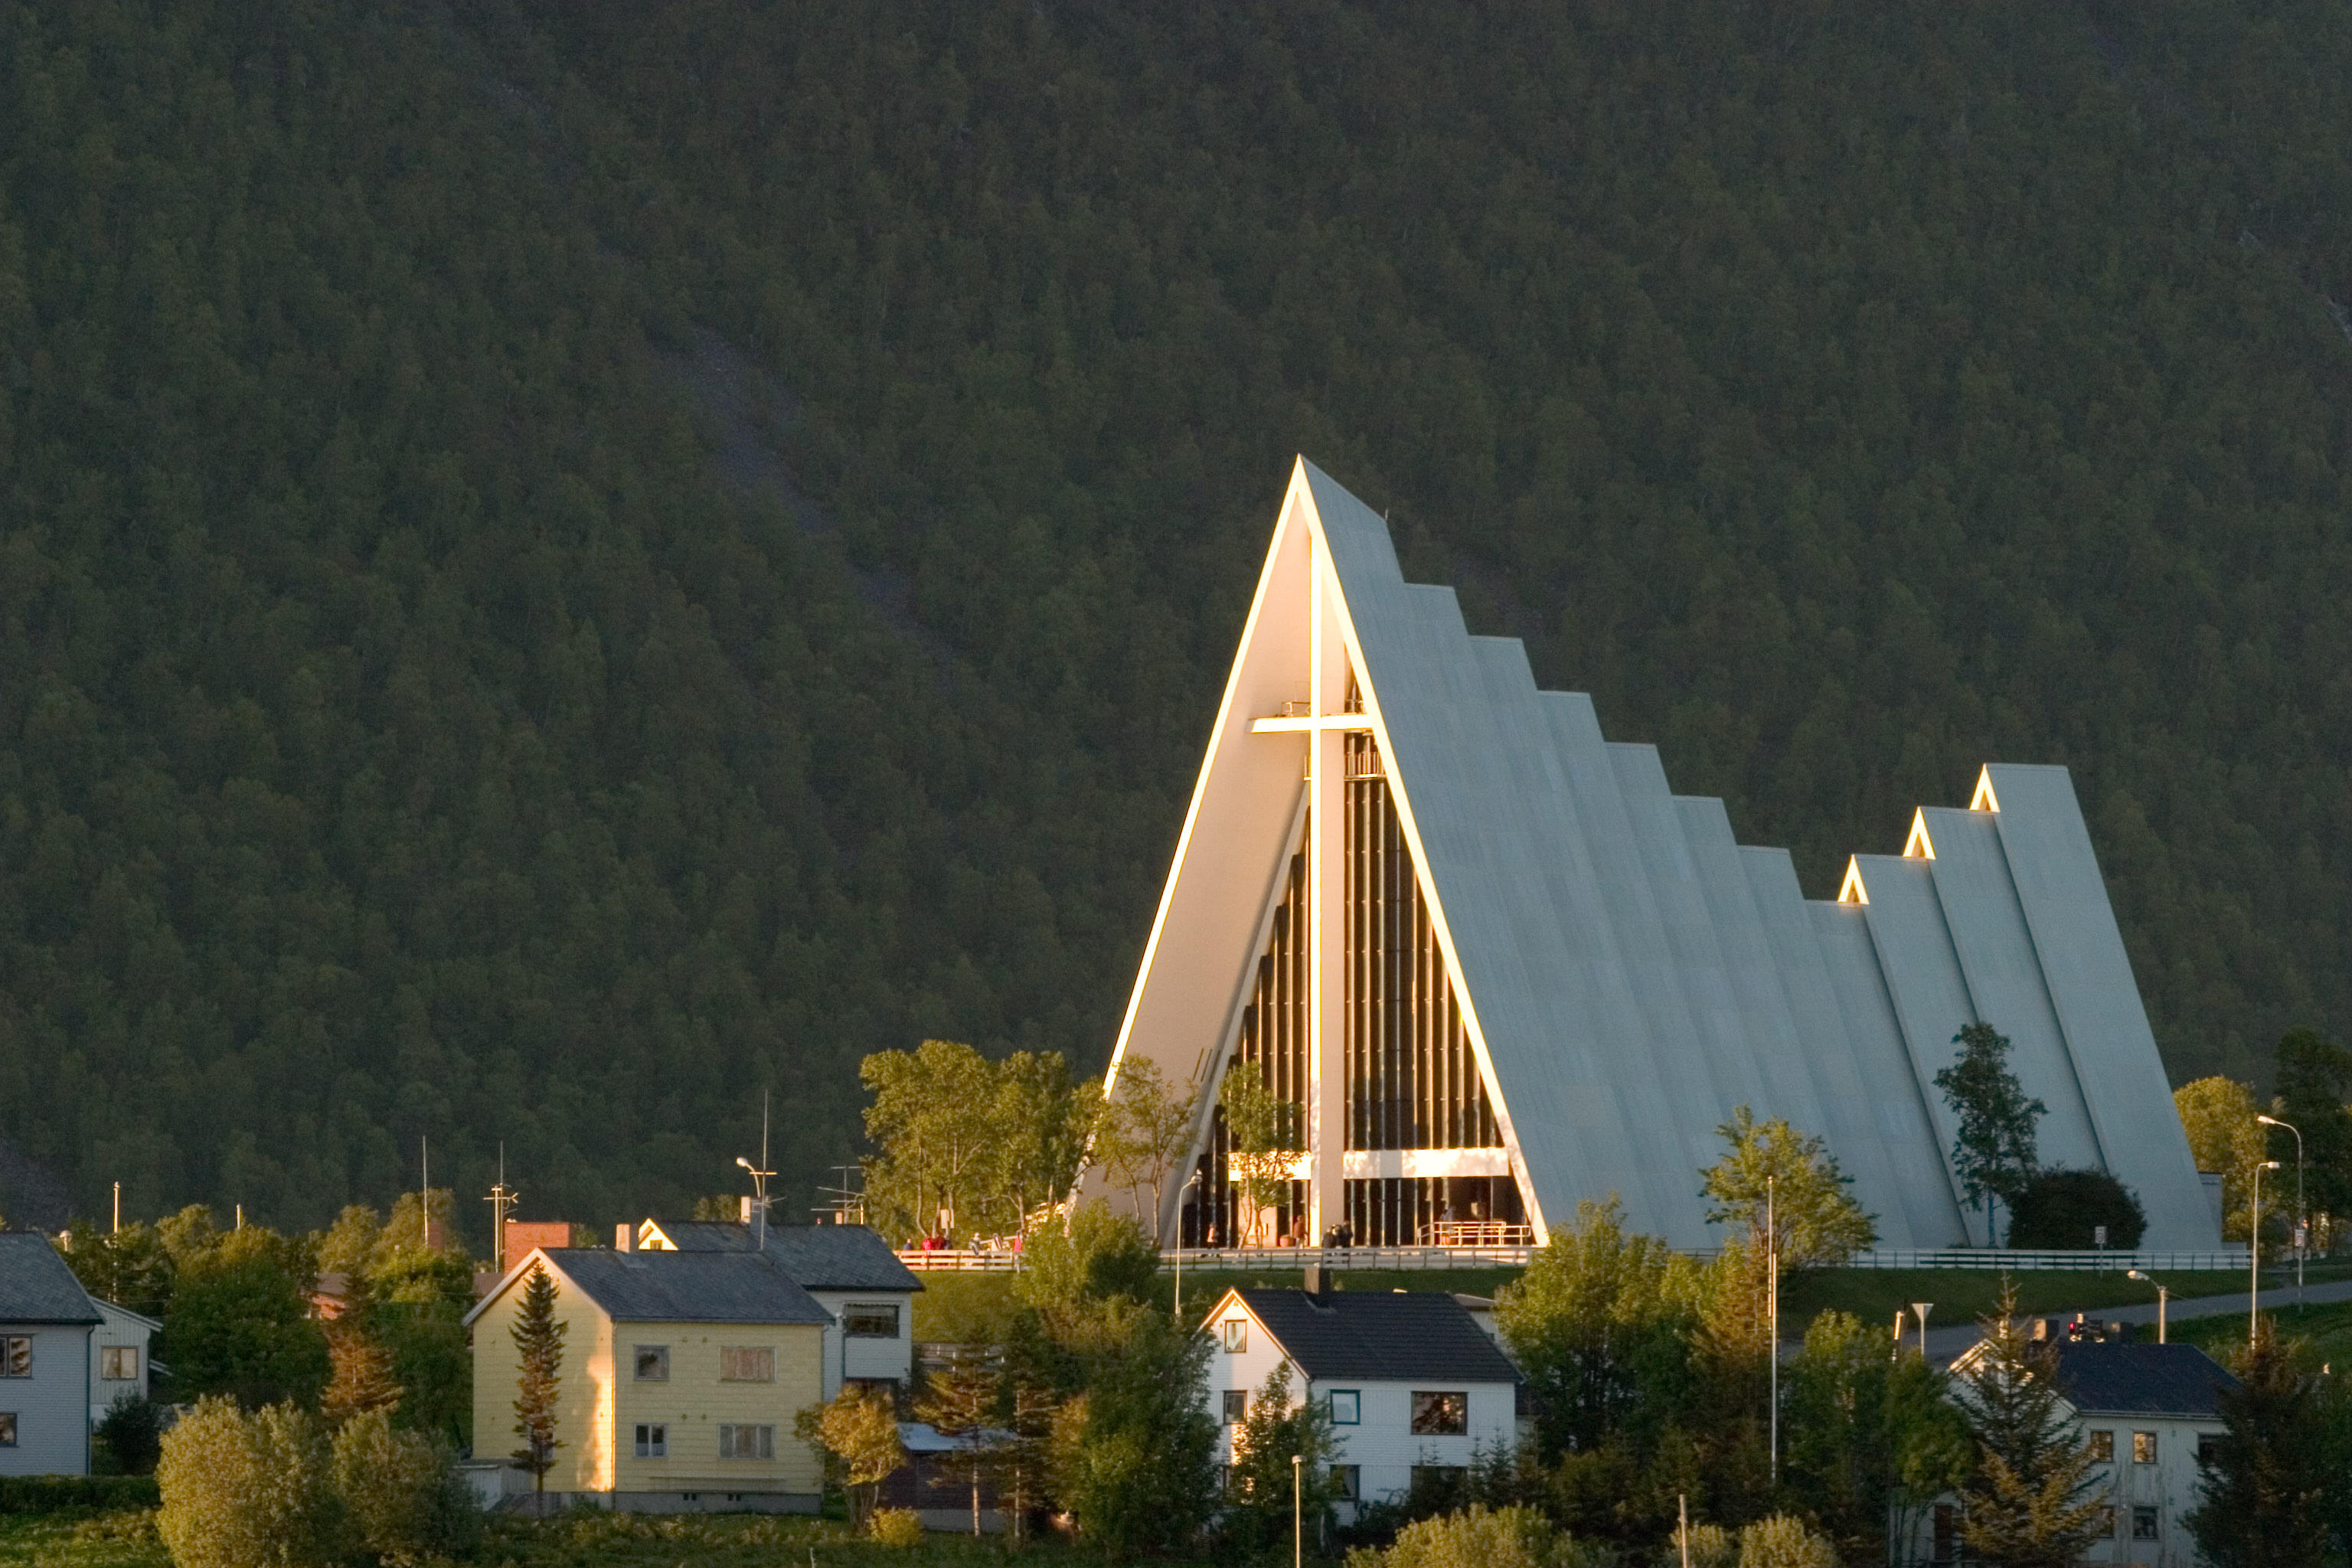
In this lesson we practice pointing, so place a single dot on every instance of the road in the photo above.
(1947, 1343)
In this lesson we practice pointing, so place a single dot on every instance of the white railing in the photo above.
(1246, 1258)
(2087, 1260)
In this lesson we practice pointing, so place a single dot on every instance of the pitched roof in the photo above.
(817, 1257)
(2104, 1378)
(36, 1286)
(688, 1287)
(1381, 1337)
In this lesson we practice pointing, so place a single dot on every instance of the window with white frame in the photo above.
(1347, 1406)
(118, 1363)
(653, 1363)
(653, 1440)
(747, 1442)
(2147, 1523)
(870, 1319)
(1236, 1331)
(2143, 1448)
(2102, 1447)
(1236, 1405)
(7, 1429)
(747, 1364)
(17, 1355)
(1347, 1483)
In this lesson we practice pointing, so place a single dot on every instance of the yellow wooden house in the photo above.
(682, 1374)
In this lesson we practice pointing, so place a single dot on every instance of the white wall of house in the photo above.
(1380, 1443)
(48, 1407)
(2149, 1495)
(127, 1335)
(849, 1356)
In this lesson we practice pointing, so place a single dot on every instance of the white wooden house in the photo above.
(46, 1321)
(1411, 1382)
(119, 1363)
(2148, 1410)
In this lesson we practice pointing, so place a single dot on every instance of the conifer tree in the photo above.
(2025, 1505)
(540, 1339)
(2266, 1487)
(961, 1403)
(363, 1379)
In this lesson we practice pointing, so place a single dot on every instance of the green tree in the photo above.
(2028, 1503)
(1869, 1438)
(130, 1433)
(538, 1338)
(130, 1267)
(2264, 1489)
(967, 1143)
(1597, 1325)
(1101, 1255)
(1771, 1168)
(240, 1321)
(363, 1377)
(2217, 1114)
(1263, 1135)
(1275, 1430)
(2068, 1208)
(1142, 1131)
(1134, 1455)
(1993, 1150)
(860, 1430)
(240, 1490)
(2315, 1080)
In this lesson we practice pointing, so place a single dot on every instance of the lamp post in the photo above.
(2162, 1297)
(2301, 1215)
(1190, 1182)
(1298, 1530)
(2254, 1248)
(1921, 1307)
(759, 1186)
(1772, 1270)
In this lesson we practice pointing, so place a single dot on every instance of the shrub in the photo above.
(896, 1527)
(241, 1490)
(1781, 1541)
(2059, 1208)
(132, 1435)
(52, 1494)
(1711, 1546)
(405, 1501)
(1479, 1537)
(1103, 1254)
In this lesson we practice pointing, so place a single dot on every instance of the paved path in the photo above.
(1947, 1343)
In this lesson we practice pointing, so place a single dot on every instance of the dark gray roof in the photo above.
(36, 1286)
(1390, 1336)
(2103, 1378)
(688, 1287)
(817, 1256)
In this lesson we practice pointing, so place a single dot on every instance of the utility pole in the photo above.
(117, 1208)
(503, 1198)
(425, 1206)
(1298, 1514)
(1772, 1273)
(1681, 1525)
(1189, 1180)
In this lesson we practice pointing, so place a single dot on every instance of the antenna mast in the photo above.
(503, 1198)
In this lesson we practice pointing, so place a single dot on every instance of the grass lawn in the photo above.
(2327, 1327)
(584, 1539)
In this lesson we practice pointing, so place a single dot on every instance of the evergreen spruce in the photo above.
(2026, 1506)
(539, 1338)
(363, 1379)
(962, 1401)
(2265, 1485)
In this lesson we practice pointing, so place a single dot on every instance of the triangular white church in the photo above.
(1503, 968)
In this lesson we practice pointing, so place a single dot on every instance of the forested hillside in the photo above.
(563, 562)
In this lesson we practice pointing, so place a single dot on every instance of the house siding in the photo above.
(52, 1405)
(121, 1329)
(583, 1386)
(868, 1358)
(694, 1403)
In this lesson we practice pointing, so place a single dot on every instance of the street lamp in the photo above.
(2301, 1215)
(1190, 1182)
(2254, 1248)
(1921, 1307)
(1297, 1532)
(2162, 1295)
(759, 1186)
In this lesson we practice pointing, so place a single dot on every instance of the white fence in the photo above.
(2087, 1260)
(1989, 1259)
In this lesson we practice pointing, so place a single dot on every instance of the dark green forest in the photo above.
(562, 564)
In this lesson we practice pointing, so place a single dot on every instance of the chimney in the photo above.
(1317, 1282)
(624, 1238)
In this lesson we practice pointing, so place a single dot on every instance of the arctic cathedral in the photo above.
(1499, 967)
